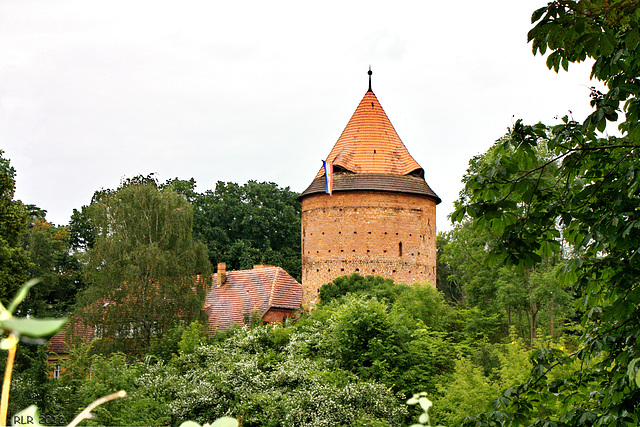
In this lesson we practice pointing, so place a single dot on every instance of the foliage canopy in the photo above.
(142, 268)
(591, 203)
(14, 261)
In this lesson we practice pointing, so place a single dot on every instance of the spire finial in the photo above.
(370, 72)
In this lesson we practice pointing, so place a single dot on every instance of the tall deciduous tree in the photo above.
(592, 202)
(526, 299)
(57, 268)
(243, 225)
(14, 261)
(80, 231)
(143, 265)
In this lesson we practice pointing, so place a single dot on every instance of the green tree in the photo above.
(387, 343)
(243, 225)
(446, 280)
(142, 268)
(57, 268)
(14, 261)
(376, 286)
(464, 254)
(80, 230)
(592, 203)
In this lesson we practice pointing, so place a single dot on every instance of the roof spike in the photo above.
(370, 72)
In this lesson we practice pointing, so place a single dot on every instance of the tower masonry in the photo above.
(370, 210)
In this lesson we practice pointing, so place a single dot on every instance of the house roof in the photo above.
(59, 342)
(369, 144)
(261, 289)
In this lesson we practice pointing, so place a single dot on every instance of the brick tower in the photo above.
(380, 217)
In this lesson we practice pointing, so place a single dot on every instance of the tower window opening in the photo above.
(400, 249)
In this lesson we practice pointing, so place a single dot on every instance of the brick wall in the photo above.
(367, 232)
(278, 315)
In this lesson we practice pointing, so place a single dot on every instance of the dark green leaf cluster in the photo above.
(14, 261)
(254, 223)
(57, 268)
(545, 185)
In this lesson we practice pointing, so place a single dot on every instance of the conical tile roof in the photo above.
(370, 145)
(369, 155)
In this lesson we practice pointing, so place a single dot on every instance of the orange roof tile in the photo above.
(370, 145)
(259, 289)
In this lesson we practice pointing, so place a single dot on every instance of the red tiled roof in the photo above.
(58, 343)
(259, 289)
(370, 145)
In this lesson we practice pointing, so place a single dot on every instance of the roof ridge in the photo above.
(273, 286)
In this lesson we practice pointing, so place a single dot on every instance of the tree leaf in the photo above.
(632, 39)
(33, 327)
(538, 14)
(225, 422)
(9, 342)
(4, 313)
(425, 403)
(21, 294)
(424, 418)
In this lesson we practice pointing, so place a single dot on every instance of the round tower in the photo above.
(369, 209)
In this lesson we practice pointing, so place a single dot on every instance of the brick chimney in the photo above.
(222, 273)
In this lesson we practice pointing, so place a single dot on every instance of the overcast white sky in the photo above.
(94, 91)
